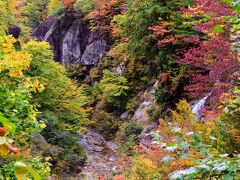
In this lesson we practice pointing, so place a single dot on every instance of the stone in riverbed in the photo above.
(93, 141)
(124, 115)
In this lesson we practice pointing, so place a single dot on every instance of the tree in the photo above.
(35, 12)
(61, 94)
(84, 5)
(211, 59)
(18, 115)
(113, 88)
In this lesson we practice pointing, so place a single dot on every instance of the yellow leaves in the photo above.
(144, 168)
(42, 125)
(14, 61)
(164, 128)
(3, 17)
(33, 85)
(48, 158)
(6, 44)
(183, 115)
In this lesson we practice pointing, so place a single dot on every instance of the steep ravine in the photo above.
(73, 43)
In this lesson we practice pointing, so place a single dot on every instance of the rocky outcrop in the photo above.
(72, 41)
(50, 31)
(94, 52)
(146, 139)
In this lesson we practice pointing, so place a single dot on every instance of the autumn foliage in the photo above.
(211, 59)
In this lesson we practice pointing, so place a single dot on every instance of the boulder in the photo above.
(14, 31)
(146, 139)
(124, 115)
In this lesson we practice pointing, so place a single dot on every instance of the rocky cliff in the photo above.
(71, 39)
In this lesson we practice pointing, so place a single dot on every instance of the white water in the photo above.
(50, 31)
(199, 105)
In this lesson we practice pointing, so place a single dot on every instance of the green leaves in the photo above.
(84, 5)
(113, 87)
(236, 6)
(21, 170)
(218, 29)
(11, 127)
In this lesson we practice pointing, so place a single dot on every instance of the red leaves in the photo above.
(67, 3)
(9, 147)
(192, 40)
(215, 8)
(12, 148)
(164, 77)
(3, 131)
(164, 35)
(213, 61)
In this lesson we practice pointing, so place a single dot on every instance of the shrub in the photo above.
(105, 123)
(84, 5)
(128, 136)
(113, 88)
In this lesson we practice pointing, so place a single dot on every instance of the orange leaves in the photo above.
(104, 4)
(68, 2)
(164, 77)
(105, 11)
(16, 63)
(164, 34)
(159, 30)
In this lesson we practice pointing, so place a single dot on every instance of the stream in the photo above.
(102, 156)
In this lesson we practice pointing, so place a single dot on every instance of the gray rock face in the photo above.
(50, 31)
(74, 43)
(71, 40)
(141, 113)
(102, 158)
(42, 30)
(94, 52)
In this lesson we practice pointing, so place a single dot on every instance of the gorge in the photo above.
(119, 89)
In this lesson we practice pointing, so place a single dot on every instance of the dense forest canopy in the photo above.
(119, 89)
